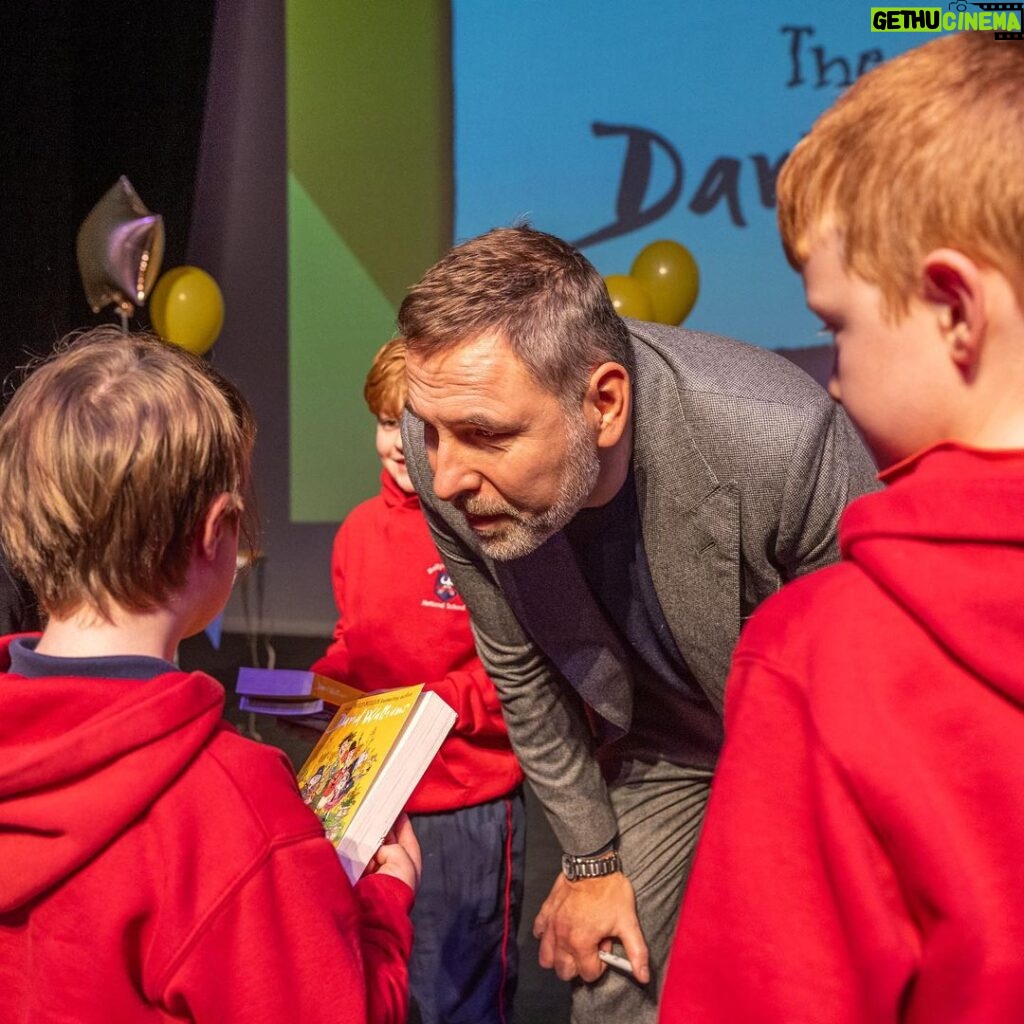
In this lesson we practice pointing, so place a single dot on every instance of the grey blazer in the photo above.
(742, 466)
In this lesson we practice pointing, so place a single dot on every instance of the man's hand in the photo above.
(579, 918)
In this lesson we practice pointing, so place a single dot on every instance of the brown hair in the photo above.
(385, 386)
(541, 294)
(111, 452)
(922, 152)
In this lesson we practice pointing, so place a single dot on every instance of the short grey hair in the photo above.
(544, 297)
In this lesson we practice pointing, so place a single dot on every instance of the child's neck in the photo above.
(998, 413)
(85, 634)
(993, 412)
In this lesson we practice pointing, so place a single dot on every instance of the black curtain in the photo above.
(90, 91)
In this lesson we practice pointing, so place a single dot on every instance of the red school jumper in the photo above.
(862, 862)
(156, 866)
(401, 622)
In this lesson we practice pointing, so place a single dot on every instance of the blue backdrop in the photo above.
(613, 127)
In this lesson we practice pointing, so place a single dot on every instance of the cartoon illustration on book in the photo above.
(333, 790)
(362, 770)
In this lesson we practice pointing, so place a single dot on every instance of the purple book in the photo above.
(279, 706)
(281, 683)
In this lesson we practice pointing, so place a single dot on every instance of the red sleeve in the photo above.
(295, 942)
(472, 695)
(792, 913)
(386, 932)
(469, 691)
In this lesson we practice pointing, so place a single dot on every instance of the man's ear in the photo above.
(221, 516)
(954, 284)
(607, 403)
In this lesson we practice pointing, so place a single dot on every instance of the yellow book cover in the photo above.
(367, 763)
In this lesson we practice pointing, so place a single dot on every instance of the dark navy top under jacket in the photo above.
(671, 715)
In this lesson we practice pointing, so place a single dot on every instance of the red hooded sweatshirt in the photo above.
(863, 856)
(401, 622)
(155, 866)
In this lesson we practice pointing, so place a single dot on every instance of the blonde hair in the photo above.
(385, 387)
(542, 295)
(111, 452)
(924, 151)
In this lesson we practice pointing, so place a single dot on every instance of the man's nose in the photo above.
(452, 473)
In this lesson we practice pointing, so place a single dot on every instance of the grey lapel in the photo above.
(549, 596)
(690, 524)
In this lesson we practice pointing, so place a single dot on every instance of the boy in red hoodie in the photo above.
(882, 697)
(401, 621)
(155, 865)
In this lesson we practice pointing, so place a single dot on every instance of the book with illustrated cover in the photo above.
(366, 765)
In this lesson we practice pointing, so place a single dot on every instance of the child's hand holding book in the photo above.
(399, 855)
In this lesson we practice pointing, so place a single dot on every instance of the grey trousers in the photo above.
(659, 808)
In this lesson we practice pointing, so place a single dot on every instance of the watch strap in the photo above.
(596, 866)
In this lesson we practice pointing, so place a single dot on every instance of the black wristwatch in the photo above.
(596, 866)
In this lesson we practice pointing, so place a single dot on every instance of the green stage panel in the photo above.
(370, 208)
(338, 318)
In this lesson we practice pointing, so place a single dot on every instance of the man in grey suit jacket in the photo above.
(612, 501)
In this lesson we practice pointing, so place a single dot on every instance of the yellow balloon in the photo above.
(629, 297)
(187, 308)
(671, 277)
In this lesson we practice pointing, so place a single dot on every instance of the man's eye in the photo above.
(489, 436)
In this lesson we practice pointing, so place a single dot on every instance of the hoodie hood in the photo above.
(81, 759)
(945, 541)
(394, 496)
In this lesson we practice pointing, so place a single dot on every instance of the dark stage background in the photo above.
(90, 92)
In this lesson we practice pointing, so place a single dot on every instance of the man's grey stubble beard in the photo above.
(525, 534)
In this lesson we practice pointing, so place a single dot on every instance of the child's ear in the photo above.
(221, 516)
(954, 284)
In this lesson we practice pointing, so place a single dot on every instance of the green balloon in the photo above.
(629, 297)
(669, 274)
